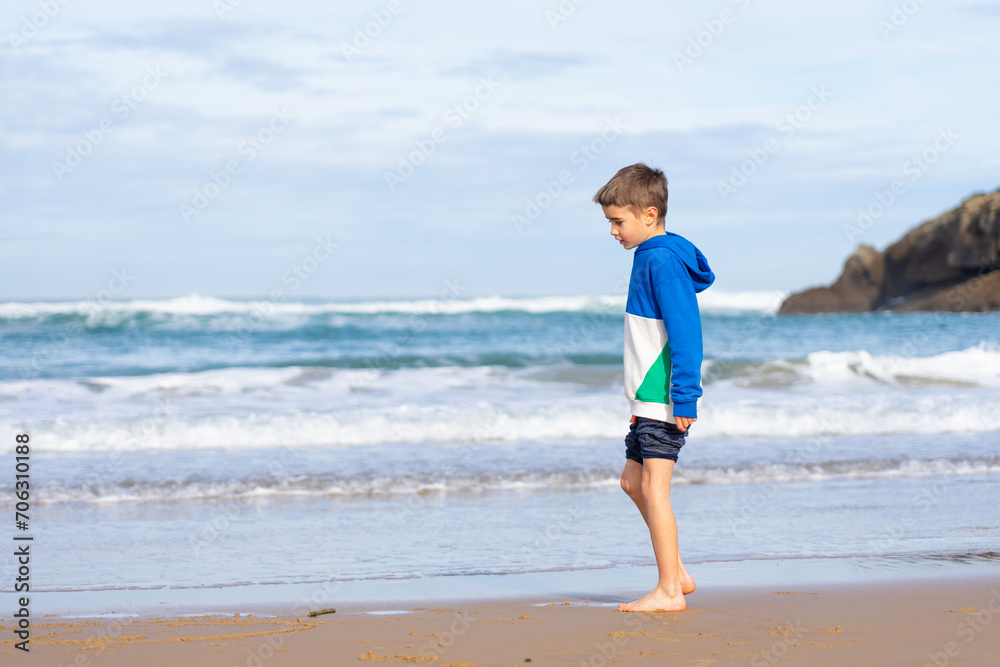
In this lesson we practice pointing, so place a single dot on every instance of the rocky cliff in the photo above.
(950, 263)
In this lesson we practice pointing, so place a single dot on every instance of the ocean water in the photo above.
(201, 442)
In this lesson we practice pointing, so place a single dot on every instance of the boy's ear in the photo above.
(650, 215)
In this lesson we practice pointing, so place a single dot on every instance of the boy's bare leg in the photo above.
(632, 485)
(659, 515)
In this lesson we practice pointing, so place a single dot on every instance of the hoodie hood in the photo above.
(689, 255)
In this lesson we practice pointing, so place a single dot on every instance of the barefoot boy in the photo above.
(663, 354)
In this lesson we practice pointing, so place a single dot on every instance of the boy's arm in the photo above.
(682, 320)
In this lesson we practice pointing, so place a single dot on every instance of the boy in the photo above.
(663, 353)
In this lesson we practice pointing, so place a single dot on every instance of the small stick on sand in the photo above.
(323, 611)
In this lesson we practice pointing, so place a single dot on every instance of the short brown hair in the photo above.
(636, 187)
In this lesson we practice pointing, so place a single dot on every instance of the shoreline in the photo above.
(372, 593)
(944, 616)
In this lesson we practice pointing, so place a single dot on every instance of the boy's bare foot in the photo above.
(657, 600)
(687, 583)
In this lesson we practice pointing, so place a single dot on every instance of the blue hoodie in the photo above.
(663, 347)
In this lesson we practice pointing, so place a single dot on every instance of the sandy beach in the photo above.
(929, 621)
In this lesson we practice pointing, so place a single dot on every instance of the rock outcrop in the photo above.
(950, 263)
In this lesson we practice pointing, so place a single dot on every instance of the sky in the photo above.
(376, 149)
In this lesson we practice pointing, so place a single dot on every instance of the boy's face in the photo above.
(630, 229)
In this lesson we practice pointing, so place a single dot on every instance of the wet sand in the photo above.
(930, 621)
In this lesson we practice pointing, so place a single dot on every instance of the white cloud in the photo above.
(355, 117)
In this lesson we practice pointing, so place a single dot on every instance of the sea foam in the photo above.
(257, 488)
(195, 304)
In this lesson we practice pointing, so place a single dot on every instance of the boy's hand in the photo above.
(684, 422)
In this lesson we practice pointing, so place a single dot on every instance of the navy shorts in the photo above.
(653, 439)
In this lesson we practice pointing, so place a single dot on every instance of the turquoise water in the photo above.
(211, 442)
